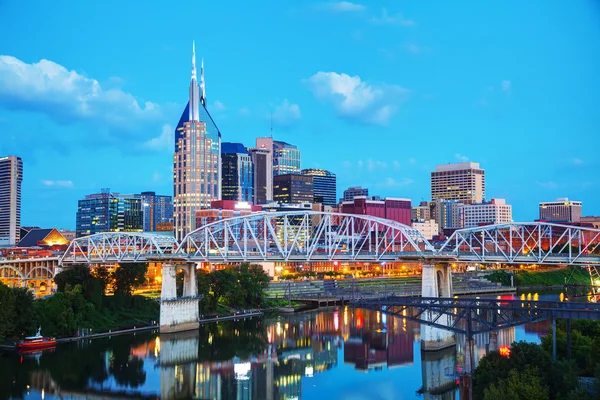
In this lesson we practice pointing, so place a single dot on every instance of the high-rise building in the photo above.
(293, 188)
(422, 212)
(157, 210)
(394, 209)
(324, 186)
(496, 211)
(262, 162)
(464, 182)
(447, 214)
(286, 158)
(109, 212)
(11, 176)
(561, 210)
(236, 173)
(353, 191)
(197, 160)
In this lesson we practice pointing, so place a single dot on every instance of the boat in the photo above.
(36, 342)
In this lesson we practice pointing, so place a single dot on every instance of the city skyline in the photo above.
(400, 74)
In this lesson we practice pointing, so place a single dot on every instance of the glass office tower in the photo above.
(324, 186)
(236, 173)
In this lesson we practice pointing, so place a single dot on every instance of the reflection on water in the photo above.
(336, 353)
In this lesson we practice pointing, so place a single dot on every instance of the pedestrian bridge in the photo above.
(311, 236)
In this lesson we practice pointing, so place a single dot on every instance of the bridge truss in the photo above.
(117, 247)
(304, 236)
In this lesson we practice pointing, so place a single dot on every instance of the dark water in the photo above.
(337, 353)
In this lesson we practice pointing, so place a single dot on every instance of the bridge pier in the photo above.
(178, 314)
(436, 282)
(437, 374)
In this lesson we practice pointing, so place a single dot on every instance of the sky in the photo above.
(378, 92)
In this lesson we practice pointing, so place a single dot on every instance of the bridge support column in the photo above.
(436, 282)
(493, 341)
(178, 314)
(437, 373)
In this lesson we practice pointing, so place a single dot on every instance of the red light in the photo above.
(504, 351)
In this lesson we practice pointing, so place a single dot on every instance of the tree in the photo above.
(523, 385)
(7, 306)
(222, 286)
(253, 281)
(76, 275)
(24, 318)
(130, 276)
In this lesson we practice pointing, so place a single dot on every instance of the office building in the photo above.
(293, 188)
(429, 228)
(422, 212)
(157, 210)
(109, 212)
(496, 211)
(236, 173)
(324, 186)
(591, 221)
(222, 209)
(561, 210)
(197, 159)
(464, 182)
(286, 158)
(447, 214)
(11, 177)
(262, 162)
(352, 192)
(394, 209)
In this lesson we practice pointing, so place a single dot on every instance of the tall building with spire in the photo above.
(197, 159)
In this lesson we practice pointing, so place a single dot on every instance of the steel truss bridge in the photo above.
(473, 316)
(311, 236)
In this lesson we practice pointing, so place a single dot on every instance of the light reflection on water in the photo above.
(337, 353)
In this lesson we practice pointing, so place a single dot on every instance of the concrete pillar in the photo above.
(169, 282)
(190, 287)
(493, 345)
(436, 282)
(436, 374)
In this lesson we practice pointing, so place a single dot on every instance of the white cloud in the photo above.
(374, 165)
(386, 19)
(244, 111)
(286, 114)
(547, 185)
(61, 184)
(416, 49)
(218, 106)
(390, 183)
(396, 165)
(505, 86)
(165, 141)
(68, 96)
(355, 99)
(460, 157)
(577, 161)
(341, 6)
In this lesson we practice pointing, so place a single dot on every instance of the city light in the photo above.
(504, 351)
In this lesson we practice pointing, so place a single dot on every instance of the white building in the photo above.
(464, 182)
(561, 210)
(429, 228)
(495, 211)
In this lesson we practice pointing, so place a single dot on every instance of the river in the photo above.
(333, 353)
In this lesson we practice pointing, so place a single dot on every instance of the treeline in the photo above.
(236, 287)
(530, 374)
(80, 303)
(573, 275)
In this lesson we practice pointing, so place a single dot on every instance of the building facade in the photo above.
(561, 210)
(592, 221)
(353, 191)
(447, 214)
(109, 212)
(262, 182)
(11, 177)
(429, 228)
(157, 210)
(394, 209)
(286, 158)
(422, 211)
(464, 182)
(293, 189)
(496, 211)
(236, 173)
(197, 159)
(324, 186)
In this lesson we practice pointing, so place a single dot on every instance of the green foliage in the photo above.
(552, 278)
(7, 308)
(24, 318)
(129, 276)
(519, 385)
(502, 277)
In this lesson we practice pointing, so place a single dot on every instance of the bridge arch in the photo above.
(303, 236)
(11, 268)
(50, 272)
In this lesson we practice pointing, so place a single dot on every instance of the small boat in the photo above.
(36, 342)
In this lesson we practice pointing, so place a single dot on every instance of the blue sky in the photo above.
(377, 92)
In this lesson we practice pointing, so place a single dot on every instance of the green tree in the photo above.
(7, 307)
(222, 286)
(520, 385)
(129, 276)
(24, 317)
(253, 281)
(76, 275)
(203, 283)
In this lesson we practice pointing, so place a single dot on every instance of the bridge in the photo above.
(313, 236)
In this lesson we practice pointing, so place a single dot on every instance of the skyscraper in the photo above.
(197, 160)
(353, 191)
(324, 186)
(293, 188)
(262, 161)
(11, 176)
(561, 210)
(236, 173)
(286, 158)
(109, 212)
(464, 182)
(157, 209)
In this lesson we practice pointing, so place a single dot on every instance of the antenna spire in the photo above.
(271, 124)
(193, 60)
(202, 84)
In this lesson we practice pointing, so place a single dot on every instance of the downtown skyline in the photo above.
(396, 99)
